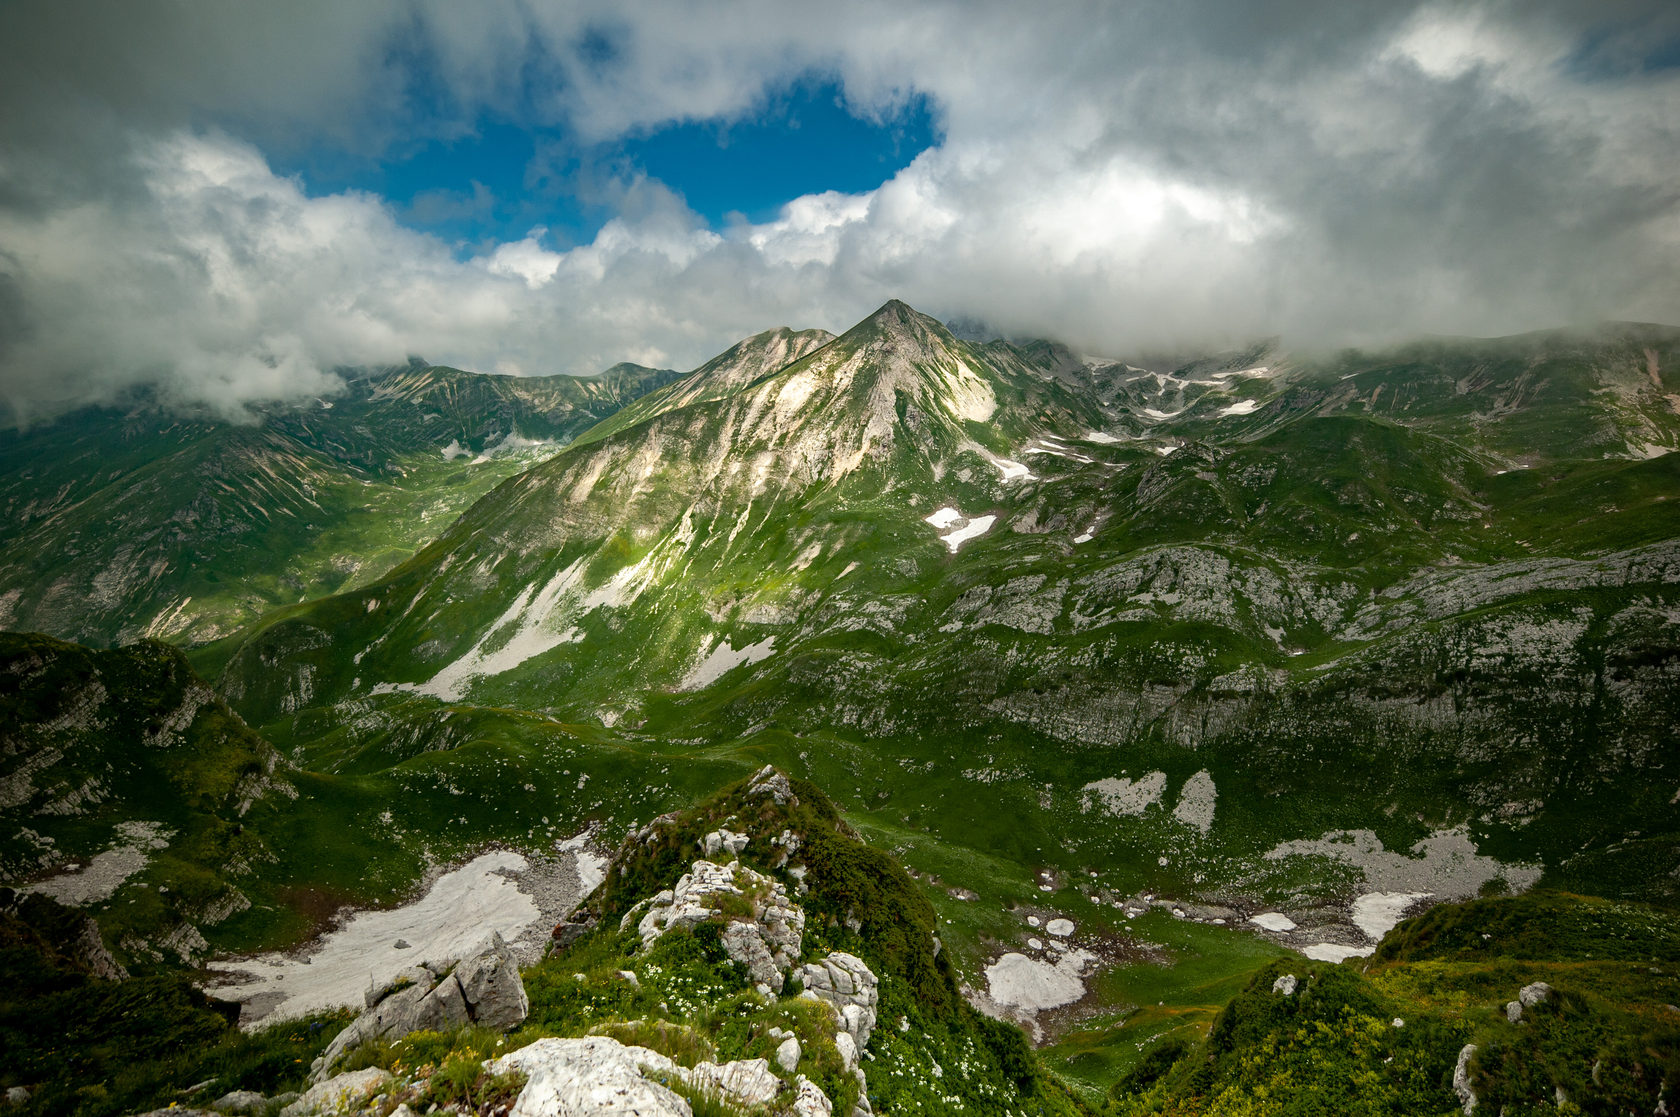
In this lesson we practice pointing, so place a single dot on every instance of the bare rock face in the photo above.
(768, 781)
(810, 1101)
(748, 1082)
(491, 984)
(725, 841)
(1461, 1079)
(484, 989)
(597, 1075)
(594, 1075)
(342, 1094)
(844, 981)
(763, 930)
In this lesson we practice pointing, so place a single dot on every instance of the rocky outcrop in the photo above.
(1461, 1079)
(340, 1094)
(845, 982)
(484, 989)
(763, 930)
(600, 1077)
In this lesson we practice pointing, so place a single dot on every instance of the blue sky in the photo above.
(504, 178)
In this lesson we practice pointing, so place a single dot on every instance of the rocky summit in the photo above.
(1126, 734)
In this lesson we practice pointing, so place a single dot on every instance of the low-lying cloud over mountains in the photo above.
(1120, 179)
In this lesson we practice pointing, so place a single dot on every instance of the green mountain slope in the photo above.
(127, 524)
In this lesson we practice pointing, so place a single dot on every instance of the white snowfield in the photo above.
(458, 912)
(1273, 921)
(1376, 913)
(950, 517)
(1033, 985)
(1242, 407)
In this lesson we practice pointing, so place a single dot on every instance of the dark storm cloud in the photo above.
(1119, 177)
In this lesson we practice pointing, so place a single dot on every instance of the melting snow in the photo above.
(1273, 921)
(1376, 913)
(1101, 437)
(945, 517)
(1061, 928)
(455, 915)
(722, 659)
(978, 526)
(1241, 407)
(1031, 985)
(1085, 538)
(1335, 952)
(1012, 470)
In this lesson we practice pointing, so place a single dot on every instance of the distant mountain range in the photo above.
(1312, 636)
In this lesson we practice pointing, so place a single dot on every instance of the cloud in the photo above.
(1117, 177)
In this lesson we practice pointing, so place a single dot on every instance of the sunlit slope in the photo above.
(959, 584)
(120, 525)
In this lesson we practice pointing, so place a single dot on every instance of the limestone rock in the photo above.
(725, 841)
(809, 1100)
(485, 988)
(336, 1095)
(491, 984)
(239, 1101)
(591, 1077)
(787, 1055)
(1285, 984)
(768, 781)
(1534, 994)
(17, 1095)
(1461, 1079)
(1513, 1011)
(767, 942)
(745, 1081)
(844, 981)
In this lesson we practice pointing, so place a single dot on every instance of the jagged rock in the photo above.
(1513, 1011)
(768, 781)
(746, 1081)
(766, 944)
(1534, 994)
(591, 1077)
(809, 1100)
(239, 1101)
(17, 1095)
(1285, 984)
(844, 981)
(1461, 1079)
(847, 1046)
(725, 840)
(434, 998)
(493, 989)
(787, 1054)
(335, 1095)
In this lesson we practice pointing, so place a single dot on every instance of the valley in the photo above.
(1158, 679)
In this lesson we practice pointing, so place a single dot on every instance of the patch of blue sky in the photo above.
(498, 180)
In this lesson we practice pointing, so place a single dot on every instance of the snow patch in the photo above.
(1241, 407)
(456, 914)
(1032, 985)
(944, 518)
(1102, 438)
(947, 517)
(1336, 952)
(1376, 913)
(1273, 921)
